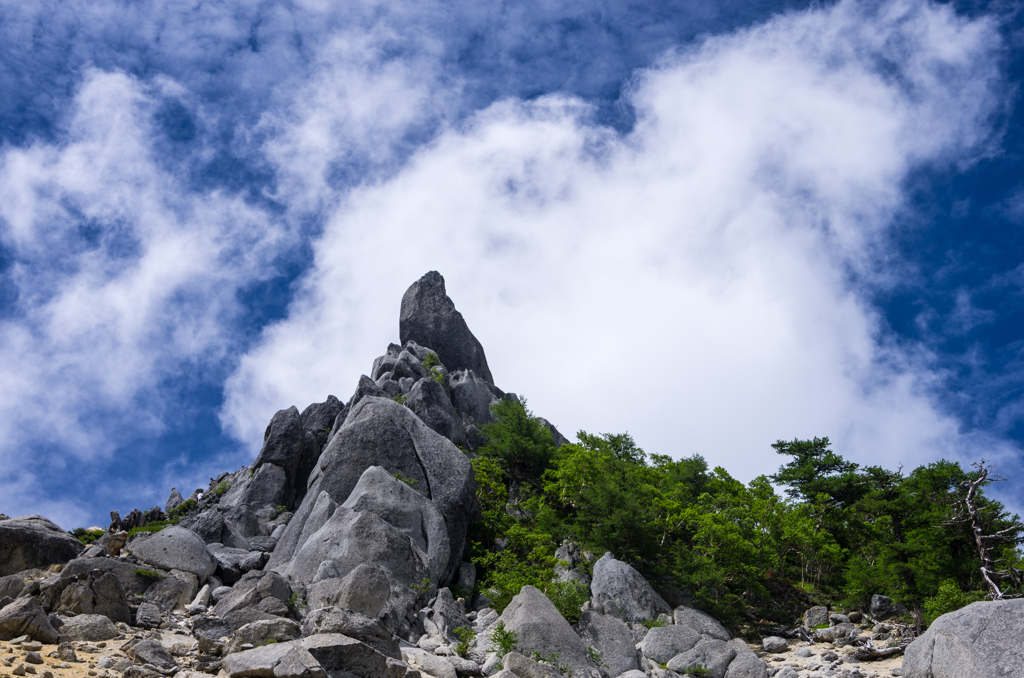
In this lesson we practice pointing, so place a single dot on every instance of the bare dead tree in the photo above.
(968, 512)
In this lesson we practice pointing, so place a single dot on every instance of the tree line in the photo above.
(838, 532)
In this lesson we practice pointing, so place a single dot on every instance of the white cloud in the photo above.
(124, 278)
(689, 281)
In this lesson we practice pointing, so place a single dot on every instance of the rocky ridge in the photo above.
(336, 553)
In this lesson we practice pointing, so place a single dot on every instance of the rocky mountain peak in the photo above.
(429, 318)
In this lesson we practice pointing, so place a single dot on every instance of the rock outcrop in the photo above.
(382, 433)
(175, 548)
(620, 590)
(339, 553)
(429, 318)
(30, 542)
(982, 639)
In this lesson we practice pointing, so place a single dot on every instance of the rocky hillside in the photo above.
(342, 551)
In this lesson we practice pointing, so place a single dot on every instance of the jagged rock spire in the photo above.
(429, 318)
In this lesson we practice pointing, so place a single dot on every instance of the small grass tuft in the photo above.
(149, 574)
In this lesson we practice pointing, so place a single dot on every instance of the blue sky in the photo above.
(713, 225)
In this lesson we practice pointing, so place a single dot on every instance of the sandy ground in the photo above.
(812, 666)
(89, 655)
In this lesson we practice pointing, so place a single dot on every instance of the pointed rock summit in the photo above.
(429, 318)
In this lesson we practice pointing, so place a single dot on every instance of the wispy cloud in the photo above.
(698, 278)
(124, 277)
(690, 280)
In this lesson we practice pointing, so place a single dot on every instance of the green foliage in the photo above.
(465, 635)
(400, 398)
(295, 603)
(423, 587)
(817, 470)
(503, 640)
(653, 623)
(182, 508)
(604, 501)
(154, 526)
(949, 598)
(595, 657)
(840, 531)
(551, 659)
(150, 574)
(281, 508)
(698, 670)
(437, 376)
(431, 361)
(618, 445)
(525, 561)
(411, 482)
(518, 440)
(222, 488)
(86, 536)
(568, 597)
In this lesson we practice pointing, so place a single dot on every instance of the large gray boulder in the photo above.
(125, 572)
(746, 664)
(611, 639)
(884, 607)
(365, 590)
(175, 548)
(354, 625)
(240, 525)
(428, 400)
(173, 501)
(380, 432)
(541, 628)
(633, 598)
(700, 622)
(268, 486)
(174, 591)
(352, 538)
(432, 665)
(429, 318)
(230, 562)
(209, 630)
(208, 525)
(261, 632)
(448, 614)
(288, 446)
(472, 397)
(339, 653)
(88, 627)
(26, 617)
(664, 642)
(816, 616)
(265, 591)
(276, 660)
(11, 586)
(90, 592)
(152, 652)
(33, 541)
(319, 418)
(982, 639)
(712, 654)
(523, 667)
(404, 508)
